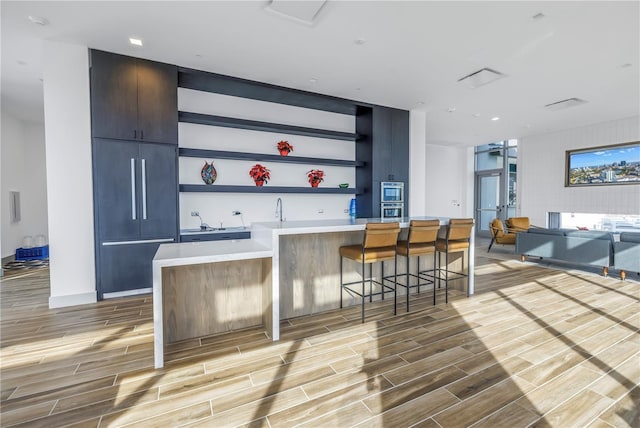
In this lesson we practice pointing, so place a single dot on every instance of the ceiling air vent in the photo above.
(300, 11)
(481, 77)
(568, 103)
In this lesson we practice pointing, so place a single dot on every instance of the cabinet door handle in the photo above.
(141, 134)
(144, 189)
(135, 134)
(133, 189)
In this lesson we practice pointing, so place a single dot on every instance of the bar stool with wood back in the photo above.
(421, 241)
(457, 239)
(379, 245)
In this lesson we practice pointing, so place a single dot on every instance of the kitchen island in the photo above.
(292, 269)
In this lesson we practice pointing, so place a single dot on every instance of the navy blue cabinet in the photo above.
(124, 267)
(134, 123)
(133, 99)
(135, 204)
(385, 149)
(204, 236)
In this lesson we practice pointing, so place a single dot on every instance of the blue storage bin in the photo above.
(34, 253)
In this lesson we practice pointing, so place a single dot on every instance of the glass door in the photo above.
(489, 203)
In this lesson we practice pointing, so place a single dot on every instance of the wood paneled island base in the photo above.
(204, 299)
(203, 288)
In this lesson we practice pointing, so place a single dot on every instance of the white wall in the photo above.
(417, 162)
(69, 178)
(541, 173)
(449, 181)
(23, 170)
(217, 207)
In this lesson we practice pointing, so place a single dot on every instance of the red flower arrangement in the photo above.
(315, 177)
(260, 174)
(284, 148)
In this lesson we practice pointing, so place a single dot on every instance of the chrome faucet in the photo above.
(203, 225)
(279, 209)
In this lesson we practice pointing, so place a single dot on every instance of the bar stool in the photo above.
(379, 245)
(457, 239)
(421, 241)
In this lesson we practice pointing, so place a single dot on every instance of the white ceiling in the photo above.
(412, 56)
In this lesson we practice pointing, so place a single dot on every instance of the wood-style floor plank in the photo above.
(534, 346)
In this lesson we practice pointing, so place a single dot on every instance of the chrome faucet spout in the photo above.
(279, 209)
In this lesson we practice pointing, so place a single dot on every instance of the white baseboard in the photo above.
(127, 293)
(72, 300)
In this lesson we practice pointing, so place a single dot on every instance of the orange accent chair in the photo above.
(518, 224)
(498, 234)
(507, 236)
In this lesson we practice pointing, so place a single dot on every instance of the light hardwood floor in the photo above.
(534, 347)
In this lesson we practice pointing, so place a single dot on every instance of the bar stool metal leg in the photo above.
(436, 268)
(363, 277)
(408, 279)
(395, 285)
(382, 276)
(446, 278)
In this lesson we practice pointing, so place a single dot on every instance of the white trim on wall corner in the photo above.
(72, 300)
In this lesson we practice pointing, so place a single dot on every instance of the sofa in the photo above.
(627, 253)
(569, 245)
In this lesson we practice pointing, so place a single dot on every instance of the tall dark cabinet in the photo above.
(134, 167)
(133, 99)
(385, 147)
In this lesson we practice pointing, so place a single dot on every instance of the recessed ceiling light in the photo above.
(495, 118)
(199, 55)
(628, 64)
(38, 20)
(476, 115)
(22, 62)
(451, 109)
(313, 80)
(135, 42)
(360, 41)
(420, 103)
(538, 15)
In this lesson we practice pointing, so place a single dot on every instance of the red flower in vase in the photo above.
(284, 148)
(260, 174)
(315, 176)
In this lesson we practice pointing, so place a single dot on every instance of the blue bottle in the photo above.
(352, 208)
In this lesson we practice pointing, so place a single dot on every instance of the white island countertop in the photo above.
(209, 252)
(323, 226)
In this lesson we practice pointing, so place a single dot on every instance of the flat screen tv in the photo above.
(605, 165)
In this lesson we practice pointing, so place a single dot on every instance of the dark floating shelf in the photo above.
(231, 122)
(243, 88)
(220, 154)
(266, 189)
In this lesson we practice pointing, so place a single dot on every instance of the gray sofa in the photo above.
(627, 254)
(569, 245)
